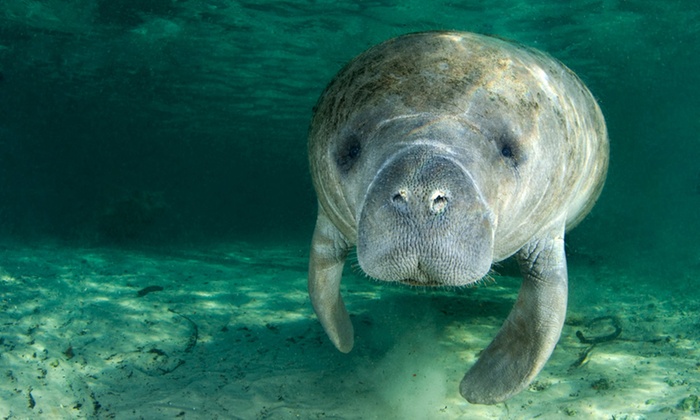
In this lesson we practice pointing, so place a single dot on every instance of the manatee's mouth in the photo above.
(412, 282)
(412, 279)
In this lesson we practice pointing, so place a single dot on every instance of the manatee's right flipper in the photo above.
(328, 252)
(529, 335)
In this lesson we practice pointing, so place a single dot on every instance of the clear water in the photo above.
(163, 143)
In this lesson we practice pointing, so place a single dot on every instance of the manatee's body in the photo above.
(439, 153)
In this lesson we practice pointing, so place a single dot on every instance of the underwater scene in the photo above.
(166, 164)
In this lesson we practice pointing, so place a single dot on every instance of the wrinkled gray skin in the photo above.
(440, 153)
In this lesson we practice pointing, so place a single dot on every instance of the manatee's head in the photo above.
(424, 221)
(418, 190)
(414, 149)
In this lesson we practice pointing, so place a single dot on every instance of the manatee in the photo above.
(437, 154)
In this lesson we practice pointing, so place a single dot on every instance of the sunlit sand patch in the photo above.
(234, 330)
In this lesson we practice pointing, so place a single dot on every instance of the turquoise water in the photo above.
(180, 125)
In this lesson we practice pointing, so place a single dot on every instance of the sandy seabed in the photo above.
(227, 332)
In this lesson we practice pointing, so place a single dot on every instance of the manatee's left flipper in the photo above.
(329, 250)
(529, 335)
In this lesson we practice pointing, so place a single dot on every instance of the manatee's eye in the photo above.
(354, 151)
(348, 153)
(509, 148)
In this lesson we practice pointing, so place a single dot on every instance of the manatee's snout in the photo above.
(424, 222)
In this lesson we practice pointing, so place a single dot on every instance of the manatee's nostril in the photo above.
(399, 201)
(400, 197)
(438, 201)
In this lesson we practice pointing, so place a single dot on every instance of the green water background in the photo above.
(181, 121)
